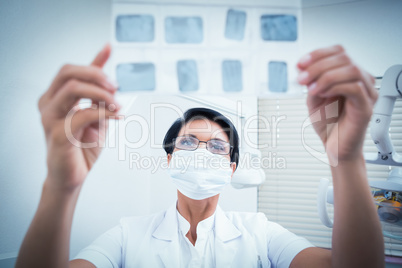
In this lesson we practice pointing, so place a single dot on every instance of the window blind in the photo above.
(289, 194)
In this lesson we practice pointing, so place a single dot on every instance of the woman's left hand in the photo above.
(331, 77)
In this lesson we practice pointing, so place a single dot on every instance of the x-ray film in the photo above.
(205, 48)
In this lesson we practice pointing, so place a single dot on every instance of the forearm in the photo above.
(357, 240)
(47, 241)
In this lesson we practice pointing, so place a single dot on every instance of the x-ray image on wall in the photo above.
(278, 76)
(136, 76)
(187, 75)
(232, 75)
(278, 28)
(235, 24)
(205, 48)
(183, 30)
(135, 28)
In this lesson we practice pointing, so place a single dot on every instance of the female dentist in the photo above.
(195, 232)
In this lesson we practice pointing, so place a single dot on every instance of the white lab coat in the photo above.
(241, 240)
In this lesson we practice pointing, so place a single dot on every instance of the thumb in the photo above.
(102, 56)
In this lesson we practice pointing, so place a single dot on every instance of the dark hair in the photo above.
(204, 113)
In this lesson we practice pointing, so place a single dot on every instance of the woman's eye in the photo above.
(218, 146)
(186, 142)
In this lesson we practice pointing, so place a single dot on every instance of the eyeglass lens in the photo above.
(191, 143)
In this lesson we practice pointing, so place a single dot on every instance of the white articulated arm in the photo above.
(391, 89)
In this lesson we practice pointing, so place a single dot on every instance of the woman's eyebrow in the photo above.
(192, 135)
(219, 139)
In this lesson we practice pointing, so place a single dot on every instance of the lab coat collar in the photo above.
(167, 229)
(225, 239)
(226, 244)
(225, 230)
(167, 236)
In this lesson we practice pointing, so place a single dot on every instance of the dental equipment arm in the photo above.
(391, 89)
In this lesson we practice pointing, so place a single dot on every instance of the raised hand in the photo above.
(340, 100)
(331, 76)
(74, 135)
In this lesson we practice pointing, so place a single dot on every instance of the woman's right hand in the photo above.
(75, 136)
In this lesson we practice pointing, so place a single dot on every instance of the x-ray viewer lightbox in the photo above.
(206, 47)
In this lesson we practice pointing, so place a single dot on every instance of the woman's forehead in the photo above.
(204, 129)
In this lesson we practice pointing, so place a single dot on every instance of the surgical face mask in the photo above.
(199, 174)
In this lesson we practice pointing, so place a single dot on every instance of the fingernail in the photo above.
(305, 59)
(302, 77)
(109, 86)
(312, 86)
(114, 107)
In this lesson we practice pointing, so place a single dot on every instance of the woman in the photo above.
(195, 232)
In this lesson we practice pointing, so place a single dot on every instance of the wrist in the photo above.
(351, 160)
(350, 168)
(345, 158)
(59, 203)
(51, 185)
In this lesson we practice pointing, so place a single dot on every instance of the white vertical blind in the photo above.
(289, 193)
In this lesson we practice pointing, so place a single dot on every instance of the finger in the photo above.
(88, 74)
(355, 92)
(42, 102)
(318, 54)
(349, 73)
(102, 56)
(101, 125)
(73, 91)
(315, 70)
(86, 117)
(369, 82)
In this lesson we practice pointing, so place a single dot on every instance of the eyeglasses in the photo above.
(215, 146)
